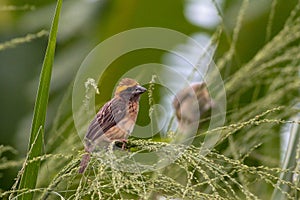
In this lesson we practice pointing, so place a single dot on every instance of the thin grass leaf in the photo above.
(29, 177)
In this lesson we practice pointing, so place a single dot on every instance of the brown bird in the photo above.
(115, 120)
(191, 104)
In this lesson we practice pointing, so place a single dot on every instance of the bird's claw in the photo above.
(124, 141)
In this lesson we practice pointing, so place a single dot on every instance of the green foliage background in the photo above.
(257, 54)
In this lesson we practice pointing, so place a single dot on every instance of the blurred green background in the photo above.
(85, 23)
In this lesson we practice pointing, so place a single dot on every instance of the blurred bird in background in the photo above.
(192, 104)
(115, 120)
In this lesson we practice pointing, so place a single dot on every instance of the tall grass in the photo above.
(245, 164)
(29, 172)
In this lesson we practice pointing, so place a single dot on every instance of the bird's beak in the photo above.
(140, 90)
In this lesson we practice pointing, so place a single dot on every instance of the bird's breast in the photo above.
(128, 122)
(133, 109)
(125, 126)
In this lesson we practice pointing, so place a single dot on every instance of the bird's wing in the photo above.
(108, 116)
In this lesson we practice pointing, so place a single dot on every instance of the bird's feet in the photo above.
(123, 142)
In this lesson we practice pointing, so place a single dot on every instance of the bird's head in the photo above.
(129, 89)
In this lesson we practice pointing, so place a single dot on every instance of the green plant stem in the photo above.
(29, 176)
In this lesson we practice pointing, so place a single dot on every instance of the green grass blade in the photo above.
(29, 176)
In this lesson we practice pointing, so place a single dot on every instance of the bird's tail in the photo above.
(84, 162)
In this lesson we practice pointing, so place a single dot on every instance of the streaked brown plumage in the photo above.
(115, 120)
(191, 104)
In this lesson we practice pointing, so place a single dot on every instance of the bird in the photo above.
(114, 121)
(191, 104)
